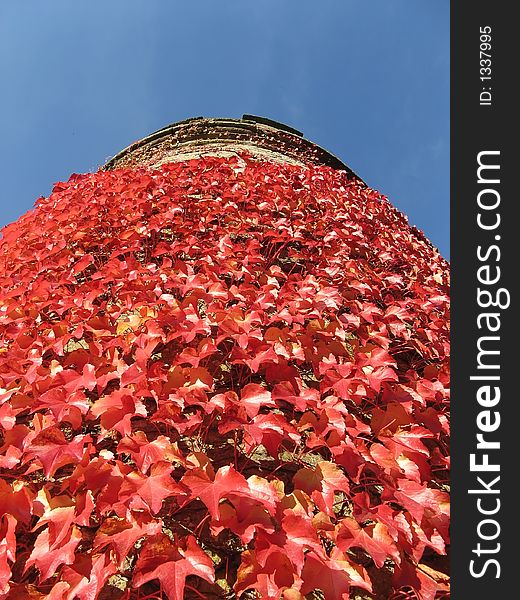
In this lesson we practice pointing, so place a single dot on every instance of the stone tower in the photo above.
(224, 373)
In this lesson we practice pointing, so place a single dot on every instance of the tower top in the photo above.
(262, 138)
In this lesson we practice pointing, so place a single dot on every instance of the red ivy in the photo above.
(221, 376)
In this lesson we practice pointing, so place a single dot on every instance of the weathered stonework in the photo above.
(262, 138)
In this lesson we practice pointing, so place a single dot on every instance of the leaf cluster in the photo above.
(222, 378)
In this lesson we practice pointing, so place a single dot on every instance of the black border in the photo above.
(475, 128)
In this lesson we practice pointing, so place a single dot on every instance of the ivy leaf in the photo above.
(7, 550)
(374, 539)
(424, 502)
(334, 576)
(171, 563)
(15, 500)
(52, 450)
(321, 483)
(48, 556)
(227, 483)
(253, 397)
(145, 453)
(427, 581)
(122, 534)
(85, 578)
(152, 489)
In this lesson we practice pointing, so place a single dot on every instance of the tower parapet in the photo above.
(262, 138)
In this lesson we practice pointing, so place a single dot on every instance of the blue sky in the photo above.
(366, 79)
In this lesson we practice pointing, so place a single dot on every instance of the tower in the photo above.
(224, 372)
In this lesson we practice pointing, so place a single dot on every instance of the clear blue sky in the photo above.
(366, 79)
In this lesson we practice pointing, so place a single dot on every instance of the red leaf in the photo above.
(227, 483)
(122, 534)
(425, 580)
(7, 550)
(171, 563)
(52, 450)
(85, 578)
(374, 539)
(15, 500)
(48, 556)
(334, 576)
(145, 453)
(82, 264)
(421, 500)
(253, 397)
(321, 483)
(152, 489)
